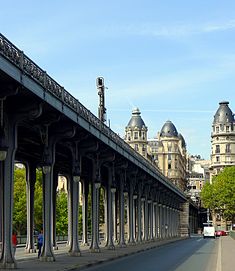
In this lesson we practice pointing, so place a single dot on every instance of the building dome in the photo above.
(169, 130)
(223, 114)
(136, 120)
(182, 140)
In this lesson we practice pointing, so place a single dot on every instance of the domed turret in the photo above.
(136, 133)
(182, 140)
(168, 130)
(136, 120)
(224, 114)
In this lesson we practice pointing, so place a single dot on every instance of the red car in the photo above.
(220, 233)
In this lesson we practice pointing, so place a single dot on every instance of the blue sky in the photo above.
(175, 60)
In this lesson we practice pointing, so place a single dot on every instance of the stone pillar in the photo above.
(95, 217)
(74, 246)
(47, 253)
(134, 218)
(85, 192)
(121, 217)
(114, 207)
(69, 202)
(30, 187)
(109, 210)
(184, 219)
(151, 220)
(139, 225)
(160, 223)
(131, 212)
(54, 185)
(7, 258)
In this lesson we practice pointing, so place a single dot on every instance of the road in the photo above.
(194, 254)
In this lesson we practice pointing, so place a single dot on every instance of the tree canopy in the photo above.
(220, 194)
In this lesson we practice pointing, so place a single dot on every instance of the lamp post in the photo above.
(101, 109)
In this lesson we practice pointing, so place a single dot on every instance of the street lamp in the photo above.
(101, 110)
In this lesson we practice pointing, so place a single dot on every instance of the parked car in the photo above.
(220, 233)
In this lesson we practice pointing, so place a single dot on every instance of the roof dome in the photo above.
(169, 130)
(182, 139)
(223, 114)
(136, 120)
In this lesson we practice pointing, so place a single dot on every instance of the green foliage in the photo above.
(19, 210)
(62, 213)
(221, 193)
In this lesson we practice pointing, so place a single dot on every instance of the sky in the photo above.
(173, 59)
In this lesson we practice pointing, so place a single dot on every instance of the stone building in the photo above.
(171, 155)
(136, 133)
(222, 139)
(167, 151)
(222, 150)
(198, 173)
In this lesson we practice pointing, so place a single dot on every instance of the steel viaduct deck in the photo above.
(42, 125)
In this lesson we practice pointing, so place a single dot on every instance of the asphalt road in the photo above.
(194, 254)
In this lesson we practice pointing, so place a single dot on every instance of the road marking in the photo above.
(219, 266)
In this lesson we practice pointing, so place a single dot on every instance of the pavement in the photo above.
(65, 262)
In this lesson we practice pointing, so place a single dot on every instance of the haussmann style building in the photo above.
(167, 151)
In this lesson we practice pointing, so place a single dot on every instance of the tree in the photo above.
(20, 209)
(221, 193)
(61, 213)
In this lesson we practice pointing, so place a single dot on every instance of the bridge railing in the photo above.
(18, 58)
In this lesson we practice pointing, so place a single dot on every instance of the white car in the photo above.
(209, 231)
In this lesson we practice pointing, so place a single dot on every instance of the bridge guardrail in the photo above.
(18, 58)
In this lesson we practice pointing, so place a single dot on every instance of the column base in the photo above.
(95, 250)
(11, 265)
(122, 245)
(75, 253)
(85, 244)
(30, 250)
(111, 247)
(47, 258)
(55, 247)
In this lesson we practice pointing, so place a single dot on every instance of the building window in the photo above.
(217, 158)
(217, 148)
(169, 157)
(169, 165)
(227, 128)
(217, 129)
(136, 147)
(227, 159)
(221, 127)
(135, 135)
(227, 148)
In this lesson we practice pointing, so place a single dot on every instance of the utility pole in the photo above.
(101, 109)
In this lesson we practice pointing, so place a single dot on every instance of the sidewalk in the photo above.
(226, 251)
(26, 261)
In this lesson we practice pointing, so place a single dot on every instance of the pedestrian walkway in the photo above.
(226, 251)
(29, 261)
(225, 254)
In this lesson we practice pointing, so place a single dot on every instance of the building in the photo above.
(171, 155)
(136, 133)
(198, 173)
(222, 150)
(167, 151)
(222, 139)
